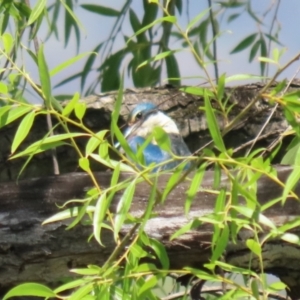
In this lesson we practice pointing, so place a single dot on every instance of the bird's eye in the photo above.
(139, 116)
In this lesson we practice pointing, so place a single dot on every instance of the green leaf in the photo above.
(292, 180)
(8, 42)
(94, 142)
(162, 139)
(44, 76)
(99, 215)
(123, 207)
(277, 286)
(71, 104)
(84, 164)
(246, 42)
(197, 18)
(173, 70)
(242, 77)
(101, 10)
(9, 113)
(67, 213)
(198, 91)
(36, 11)
(80, 109)
(50, 141)
(171, 19)
(290, 238)
(3, 88)
(30, 289)
(221, 245)
(82, 292)
(254, 50)
(69, 62)
(161, 253)
(254, 246)
(213, 125)
(186, 228)
(194, 187)
(23, 130)
(157, 57)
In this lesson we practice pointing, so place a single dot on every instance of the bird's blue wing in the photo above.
(152, 153)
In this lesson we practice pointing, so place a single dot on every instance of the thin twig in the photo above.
(214, 32)
(48, 117)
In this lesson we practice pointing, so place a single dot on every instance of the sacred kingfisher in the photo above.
(141, 122)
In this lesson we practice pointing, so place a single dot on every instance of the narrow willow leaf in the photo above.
(254, 50)
(99, 215)
(162, 139)
(80, 109)
(9, 114)
(278, 286)
(213, 125)
(44, 76)
(186, 228)
(67, 214)
(242, 77)
(267, 60)
(123, 207)
(221, 86)
(198, 91)
(71, 104)
(194, 187)
(290, 238)
(171, 19)
(161, 253)
(94, 142)
(197, 18)
(40, 145)
(101, 10)
(80, 293)
(246, 42)
(173, 70)
(3, 88)
(255, 289)
(173, 181)
(84, 164)
(23, 130)
(68, 63)
(221, 245)
(292, 180)
(70, 285)
(112, 163)
(36, 11)
(149, 284)
(30, 289)
(8, 42)
(159, 56)
(254, 246)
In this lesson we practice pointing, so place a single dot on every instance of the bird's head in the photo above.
(145, 117)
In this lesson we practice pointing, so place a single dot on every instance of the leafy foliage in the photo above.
(126, 275)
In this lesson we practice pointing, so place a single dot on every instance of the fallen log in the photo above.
(32, 252)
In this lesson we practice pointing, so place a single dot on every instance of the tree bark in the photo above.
(32, 252)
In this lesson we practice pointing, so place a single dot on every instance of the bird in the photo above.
(140, 124)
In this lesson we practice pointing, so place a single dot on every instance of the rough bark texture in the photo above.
(183, 108)
(31, 252)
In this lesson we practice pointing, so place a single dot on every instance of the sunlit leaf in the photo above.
(245, 43)
(101, 10)
(30, 289)
(36, 11)
(254, 246)
(23, 130)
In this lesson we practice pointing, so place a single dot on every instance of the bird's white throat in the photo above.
(158, 119)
